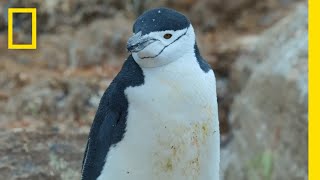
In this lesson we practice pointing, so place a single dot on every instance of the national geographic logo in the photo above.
(33, 44)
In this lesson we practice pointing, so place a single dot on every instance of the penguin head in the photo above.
(161, 36)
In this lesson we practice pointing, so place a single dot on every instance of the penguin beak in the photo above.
(137, 42)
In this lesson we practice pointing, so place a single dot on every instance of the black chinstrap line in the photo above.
(167, 45)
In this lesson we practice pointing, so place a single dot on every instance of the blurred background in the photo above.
(48, 97)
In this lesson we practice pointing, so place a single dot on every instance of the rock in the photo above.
(52, 14)
(53, 100)
(2, 17)
(258, 49)
(224, 101)
(40, 155)
(269, 115)
(100, 41)
(51, 52)
(200, 12)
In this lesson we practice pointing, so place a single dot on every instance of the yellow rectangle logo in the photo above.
(33, 44)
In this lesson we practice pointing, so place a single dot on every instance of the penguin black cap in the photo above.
(160, 19)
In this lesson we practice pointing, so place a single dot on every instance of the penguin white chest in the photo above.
(172, 127)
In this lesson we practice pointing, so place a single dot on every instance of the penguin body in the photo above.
(158, 119)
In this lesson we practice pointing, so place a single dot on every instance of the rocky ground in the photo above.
(48, 97)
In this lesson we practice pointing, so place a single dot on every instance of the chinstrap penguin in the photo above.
(158, 119)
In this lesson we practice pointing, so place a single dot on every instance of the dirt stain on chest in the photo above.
(179, 151)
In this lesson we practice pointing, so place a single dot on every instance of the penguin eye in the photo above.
(167, 36)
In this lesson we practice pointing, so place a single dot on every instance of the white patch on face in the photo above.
(164, 51)
(172, 127)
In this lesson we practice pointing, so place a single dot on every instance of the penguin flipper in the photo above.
(109, 124)
(99, 142)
